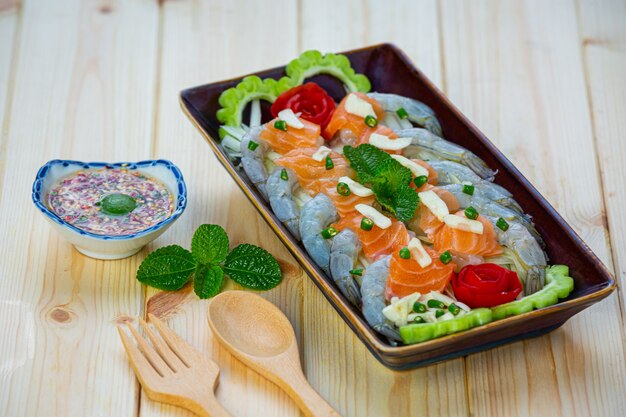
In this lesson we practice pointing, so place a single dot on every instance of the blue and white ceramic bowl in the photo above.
(103, 246)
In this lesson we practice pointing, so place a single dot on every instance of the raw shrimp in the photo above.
(493, 209)
(485, 192)
(524, 254)
(253, 160)
(281, 195)
(344, 252)
(447, 150)
(417, 112)
(373, 297)
(316, 215)
(450, 172)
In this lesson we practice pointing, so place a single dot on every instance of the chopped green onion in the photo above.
(252, 145)
(454, 309)
(421, 180)
(280, 125)
(358, 272)
(343, 189)
(435, 304)
(468, 189)
(419, 319)
(367, 223)
(419, 307)
(402, 113)
(329, 163)
(283, 175)
(445, 257)
(502, 224)
(329, 232)
(471, 213)
(405, 253)
(371, 121)
(439, 313)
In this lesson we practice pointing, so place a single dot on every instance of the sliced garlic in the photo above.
(289, 117)
(416, 169)
(359, 107)
(434, 203)
(356, 188)
(386, 143)
(374, 215)
(421, 256)
(463, 223)
(321, 153)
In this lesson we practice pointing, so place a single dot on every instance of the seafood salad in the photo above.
(411, 227)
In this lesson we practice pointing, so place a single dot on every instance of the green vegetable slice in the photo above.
(312, 62)
(235, 99)
(420, 332)
(207, 280)
(167, 268)
(209, 244)
(558, 285)
(252, 267)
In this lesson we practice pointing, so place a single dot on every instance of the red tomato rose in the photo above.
(486, 285)
(311, 100)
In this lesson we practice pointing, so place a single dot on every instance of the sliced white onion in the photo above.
(386, 143)
(374, 215)
(289, 117)
(434, 203)
(463, 223)
(356, 188)
(416, 169)
(321, 153)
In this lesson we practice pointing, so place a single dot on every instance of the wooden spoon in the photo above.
(259, 334)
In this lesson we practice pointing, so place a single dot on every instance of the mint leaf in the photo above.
(252, 267)
(388, 179)
(366, 160)
(209, 244)
(167, 268)
(207, 280)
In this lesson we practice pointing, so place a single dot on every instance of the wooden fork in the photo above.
(171, 371)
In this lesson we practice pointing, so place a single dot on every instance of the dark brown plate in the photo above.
(390, 71)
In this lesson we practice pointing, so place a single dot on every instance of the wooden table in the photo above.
(98, 80)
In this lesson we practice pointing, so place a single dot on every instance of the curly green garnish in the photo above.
(235, 99)
(312, 62)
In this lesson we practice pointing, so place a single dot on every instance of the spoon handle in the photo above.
(307, 399)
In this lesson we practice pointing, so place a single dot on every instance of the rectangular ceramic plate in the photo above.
(390, 71)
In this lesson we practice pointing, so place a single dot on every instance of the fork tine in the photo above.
(162, 348)
(157, 363)
(143, 369)
(183, 349)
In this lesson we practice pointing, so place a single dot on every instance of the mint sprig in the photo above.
(171, 267)
(387, 178)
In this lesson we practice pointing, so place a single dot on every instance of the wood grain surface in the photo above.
(99, 80)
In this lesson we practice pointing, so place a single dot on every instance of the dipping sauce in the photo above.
(111, 201)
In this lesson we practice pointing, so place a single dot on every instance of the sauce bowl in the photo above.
(101, 246)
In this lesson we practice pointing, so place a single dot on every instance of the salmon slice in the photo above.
(433, 177)
(446, 238)
(341, 119)
(381, 130)
(282, 141)
(406, 276)
(345, 204)
(312, 174)
(426, 220)
(376, 242)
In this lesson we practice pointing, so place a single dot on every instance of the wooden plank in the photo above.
(522, 82)
(335, 359)
(195, 51)
(603, 36)
(77, 65)
(9, 23)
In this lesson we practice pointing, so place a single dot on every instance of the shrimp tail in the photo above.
(479, 167)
